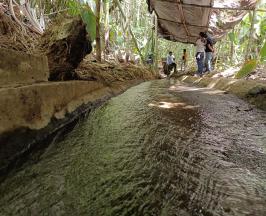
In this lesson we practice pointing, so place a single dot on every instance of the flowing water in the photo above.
(158, 149)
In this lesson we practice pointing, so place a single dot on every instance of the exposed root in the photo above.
(109, 73)
(14, 36)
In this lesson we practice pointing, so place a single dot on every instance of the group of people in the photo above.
(204, 56)
(204, 53)
(170, 61)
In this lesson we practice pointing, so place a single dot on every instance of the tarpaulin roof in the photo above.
(182, 20)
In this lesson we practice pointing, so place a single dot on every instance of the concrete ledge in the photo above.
(31, 114)
(18, 67)
(252, 91)
(34, 105)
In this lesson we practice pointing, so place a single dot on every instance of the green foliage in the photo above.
(230, 50)
(247, 68)
(74, 7)
(89, 18)
(232, 37)
(263, 52)
(112, 34)
(87, 15)
(263, 26)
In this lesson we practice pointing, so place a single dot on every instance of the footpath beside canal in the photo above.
(251, 91)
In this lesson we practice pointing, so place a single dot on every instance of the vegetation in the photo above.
(125, 29)
(246, 69)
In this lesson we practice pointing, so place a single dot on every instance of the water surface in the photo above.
(158, 149)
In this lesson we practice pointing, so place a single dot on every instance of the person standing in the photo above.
(170, 61)
(150, 59)
(200, 52)
(209, 54)
(184, 60)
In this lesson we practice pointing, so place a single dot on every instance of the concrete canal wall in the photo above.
(32, 109)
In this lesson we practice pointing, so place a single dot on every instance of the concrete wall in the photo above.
(21, 68)
(33, 106)
(30, 114)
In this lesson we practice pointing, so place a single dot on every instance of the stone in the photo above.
(22, 68)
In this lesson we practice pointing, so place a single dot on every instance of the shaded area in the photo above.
(183, 20)
(158, 149)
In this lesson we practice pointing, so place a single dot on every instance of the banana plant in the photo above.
(87, 14)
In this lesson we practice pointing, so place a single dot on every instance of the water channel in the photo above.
(160, 148)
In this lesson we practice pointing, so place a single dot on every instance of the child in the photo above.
(184, 60)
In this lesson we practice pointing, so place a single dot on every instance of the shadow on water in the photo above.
(158, 149)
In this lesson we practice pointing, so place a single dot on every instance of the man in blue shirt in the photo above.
(170, 61)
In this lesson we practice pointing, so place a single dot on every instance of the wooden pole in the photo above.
(221, 8)
(182, 17)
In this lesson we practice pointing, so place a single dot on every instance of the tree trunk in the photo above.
(130, 31)
(138, 13)
(253, 19)
(155, 42)
(107, 29)
(98, 28)
(218, 54)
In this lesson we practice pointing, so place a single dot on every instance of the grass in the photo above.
(247, 69)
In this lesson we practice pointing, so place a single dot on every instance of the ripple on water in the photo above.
(149, 151)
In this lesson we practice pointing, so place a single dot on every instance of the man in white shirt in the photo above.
(170, 61)
(200, 52)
